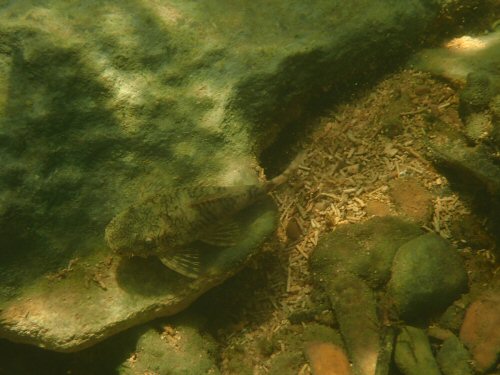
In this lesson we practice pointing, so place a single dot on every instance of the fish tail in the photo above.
(283, 177)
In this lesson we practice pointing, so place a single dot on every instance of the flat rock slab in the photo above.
(104, 102)
(98, 297)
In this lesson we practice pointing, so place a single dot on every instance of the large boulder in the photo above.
(105, 102)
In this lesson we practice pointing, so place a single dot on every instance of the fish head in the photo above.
(136, 231)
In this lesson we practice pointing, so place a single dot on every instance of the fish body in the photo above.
(166, 225)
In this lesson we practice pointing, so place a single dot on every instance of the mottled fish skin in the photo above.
(176, 218)
(162, 224)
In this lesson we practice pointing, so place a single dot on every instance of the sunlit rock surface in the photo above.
(104, 102)
(460, 56)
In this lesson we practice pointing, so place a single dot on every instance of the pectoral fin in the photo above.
(225, 234)
(185, 261)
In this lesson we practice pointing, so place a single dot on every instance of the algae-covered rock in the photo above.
(103, 103)
(477, 93)
(177, 350)
(286, 363)
(453, 316)
(453, 358)
(427, 275)
(297, 342)
(356, 310)
(478, 126)
(424, 274)
(495, 112)
(366, 249)
(347, 263)
(413, 354)
(318, 332)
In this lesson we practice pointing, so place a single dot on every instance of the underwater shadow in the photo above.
(148, 277)
(105, 358)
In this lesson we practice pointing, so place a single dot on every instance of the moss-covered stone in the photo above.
(427, 275)
(453, 317)
(296, 343)
(356, 310)
(287, 363)
(178, 350)
(366, 250)
(453, 358)
(478, 127)
(477, 93)
(318, 332)
(413, 354)
(348, 263)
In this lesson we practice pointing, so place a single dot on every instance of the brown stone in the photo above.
(412, 199)
(293, 231)
(327, 359)
(377, 208)
(480, 331)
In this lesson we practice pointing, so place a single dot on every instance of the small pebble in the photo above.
(352, 169)
(422, 90)
(293, 231)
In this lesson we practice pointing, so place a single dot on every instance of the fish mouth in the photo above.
(129, 254)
